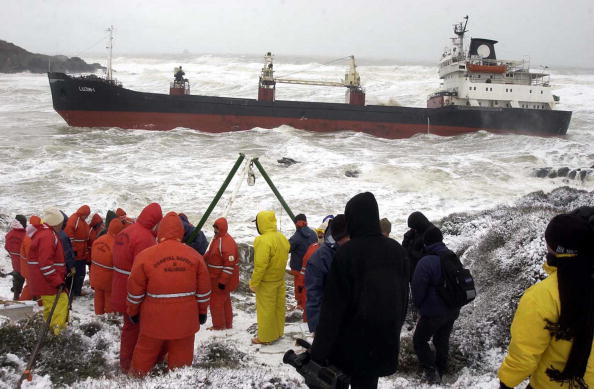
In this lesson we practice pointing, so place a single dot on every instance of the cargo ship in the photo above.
(478, 92)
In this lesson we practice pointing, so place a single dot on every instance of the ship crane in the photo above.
(352, 81)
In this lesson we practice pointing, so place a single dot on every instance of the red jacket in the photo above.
(169, 285)
(26, 246)
(95, 228)
(12, 244)
(101, 257)
(46, 261)
(128, 243)
(300, 276)
(222, 258)
(77, 230)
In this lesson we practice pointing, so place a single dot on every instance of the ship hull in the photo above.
(92, 102)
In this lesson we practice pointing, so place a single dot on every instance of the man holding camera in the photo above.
(365, 300)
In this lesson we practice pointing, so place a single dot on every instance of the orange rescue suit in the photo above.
(78, 231)
(25, 247)
(168, 288)
(102, 269)
(222, 260)
(300, 292)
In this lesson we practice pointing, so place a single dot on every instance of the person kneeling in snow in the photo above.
(168, 293)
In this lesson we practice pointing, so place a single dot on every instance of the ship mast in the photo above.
(459, 30)
(110, 47)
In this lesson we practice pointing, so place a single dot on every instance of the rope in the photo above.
(236, 190)
(312, 67)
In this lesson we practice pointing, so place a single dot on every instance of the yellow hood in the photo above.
(266, 222)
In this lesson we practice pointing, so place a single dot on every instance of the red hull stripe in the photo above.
(226, 123)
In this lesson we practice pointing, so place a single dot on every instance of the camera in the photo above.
(316, 376)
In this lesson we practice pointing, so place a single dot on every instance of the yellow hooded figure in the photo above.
(271, 253)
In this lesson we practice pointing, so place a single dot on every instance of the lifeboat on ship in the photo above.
(475, 68)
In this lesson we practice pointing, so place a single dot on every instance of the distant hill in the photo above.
(14, 59)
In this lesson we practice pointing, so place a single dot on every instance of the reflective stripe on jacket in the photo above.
(222, 258)
(169, 287)
(45, 262)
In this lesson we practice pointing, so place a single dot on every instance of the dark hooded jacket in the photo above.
(300, 241)
(365, 298)
(199, 244)
(413, 239)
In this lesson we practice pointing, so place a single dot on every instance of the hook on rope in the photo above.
(251, 176)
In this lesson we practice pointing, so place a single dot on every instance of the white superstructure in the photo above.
(477, 78)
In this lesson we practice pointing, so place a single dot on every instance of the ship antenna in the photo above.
(460, 30)
(110, 47)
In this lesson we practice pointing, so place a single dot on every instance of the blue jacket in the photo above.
(68, 252)
(425, 280)
(199, 244)
(300, 241)
(316, 271)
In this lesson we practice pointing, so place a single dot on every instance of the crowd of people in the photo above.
(354, 283)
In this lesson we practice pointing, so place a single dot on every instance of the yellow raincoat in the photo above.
(271, 253)
(532, 349)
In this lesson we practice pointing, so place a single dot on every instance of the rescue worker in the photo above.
(12, 244)
(68, 256)
(271, 253)
(300, 241)
(318, 267)
(126, 221)
(553, 327)
(78, 231)
(168, 293)
(25, 247)
(102, 273)
(301, 293)
(128, 243)
(47, 269)
(222, 260)
(95, 227)
(109, 216)
(437, 318)
(364, 301)
(199, 244)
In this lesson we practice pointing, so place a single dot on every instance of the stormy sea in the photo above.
(491, 194)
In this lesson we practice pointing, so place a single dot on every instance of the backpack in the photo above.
(457, 285)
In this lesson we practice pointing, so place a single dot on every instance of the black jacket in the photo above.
(365, 298)
(413, 239)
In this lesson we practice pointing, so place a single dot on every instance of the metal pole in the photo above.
(276, 192)
(216, 199)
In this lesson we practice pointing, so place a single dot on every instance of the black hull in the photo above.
(93, 102)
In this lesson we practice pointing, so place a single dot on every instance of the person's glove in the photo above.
(134, 319)
(503, 386)
(202, 318)
(221, 286)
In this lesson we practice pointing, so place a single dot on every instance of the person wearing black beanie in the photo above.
(437, 318)
(553, 328)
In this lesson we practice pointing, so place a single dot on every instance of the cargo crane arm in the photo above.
(351, 78)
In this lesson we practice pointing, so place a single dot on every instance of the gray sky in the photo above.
(551, 32)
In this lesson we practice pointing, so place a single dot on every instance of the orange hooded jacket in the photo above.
(26, 245)
(95, 227)
(222, 258)
(128, 244)
(78, 231)
(46, 261)
(169, 285)
(101, 257)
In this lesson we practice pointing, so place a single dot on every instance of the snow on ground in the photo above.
(503, 247)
